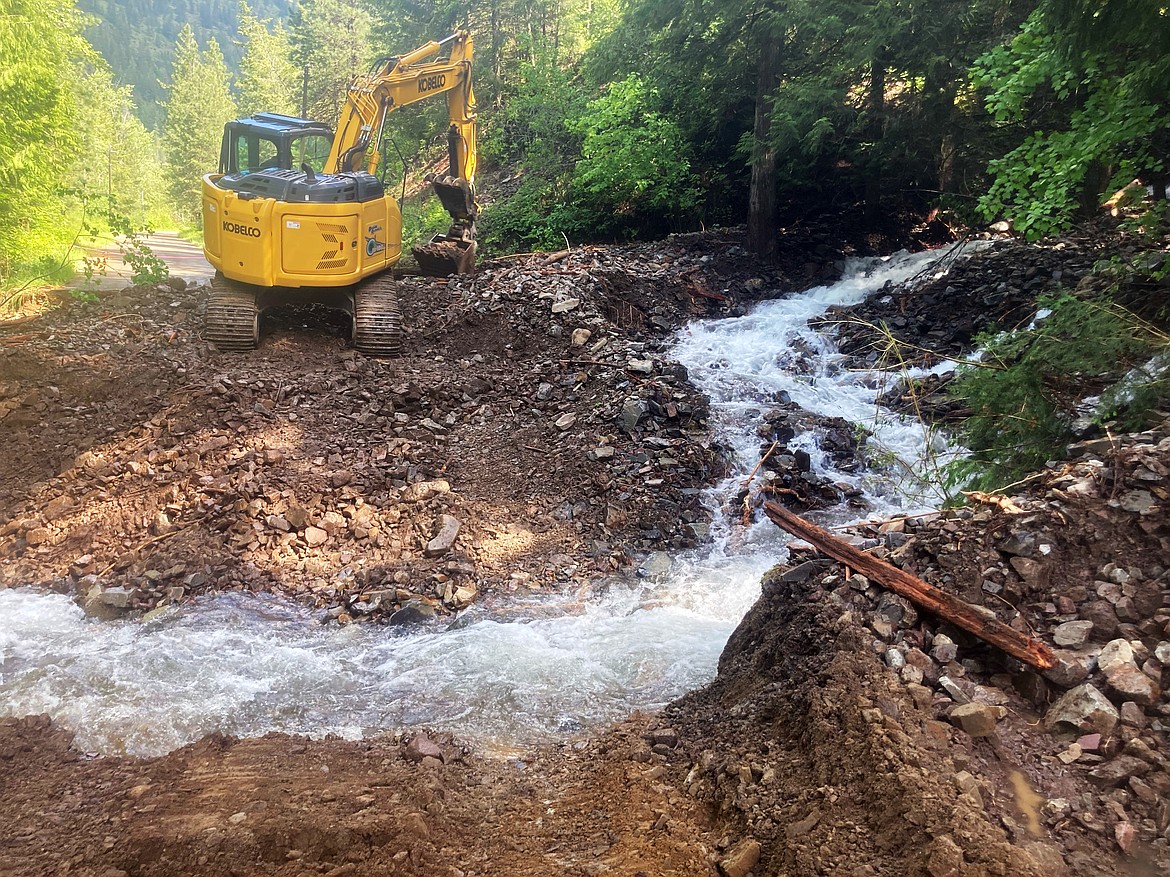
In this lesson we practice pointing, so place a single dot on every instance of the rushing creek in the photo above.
(247, 665)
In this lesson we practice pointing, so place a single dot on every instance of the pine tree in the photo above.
(199, 105)
(119, 162)
(39, 43)
(332, 40)
(268, 79)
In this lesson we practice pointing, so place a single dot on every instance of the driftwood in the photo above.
(942, 604)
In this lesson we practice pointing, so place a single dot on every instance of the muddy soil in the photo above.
(532, 437)
(829, 743)
(814, 751)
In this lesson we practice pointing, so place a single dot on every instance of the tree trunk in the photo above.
(938, 110)
(944, 605)
(762, 196)
(877, 110)
(496, 50)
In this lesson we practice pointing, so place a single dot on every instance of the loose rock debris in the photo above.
(846, 732)
(532, 437)
(1071, 765)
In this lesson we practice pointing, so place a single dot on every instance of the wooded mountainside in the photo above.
(137, 38)
(621, 118)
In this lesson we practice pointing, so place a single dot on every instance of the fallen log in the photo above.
(942, 604)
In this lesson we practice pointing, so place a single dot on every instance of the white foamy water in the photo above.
(247, 665)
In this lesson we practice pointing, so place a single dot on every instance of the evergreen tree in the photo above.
(268, 80)
(137, 38)
(40, 43)
(332, 42)
(197, 109)
(119, 166)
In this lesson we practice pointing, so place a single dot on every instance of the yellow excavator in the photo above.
(298, 213)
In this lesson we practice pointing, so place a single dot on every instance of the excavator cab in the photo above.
(270, 141)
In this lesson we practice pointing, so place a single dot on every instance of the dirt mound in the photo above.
(532, 436)
(289, 806)
(995, 288)
(839, 728)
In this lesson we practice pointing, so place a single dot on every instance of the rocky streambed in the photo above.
(844, 732)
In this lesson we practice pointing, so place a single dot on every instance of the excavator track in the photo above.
(377, 318)
(233, 316)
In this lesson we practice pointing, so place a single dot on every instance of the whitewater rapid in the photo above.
(247, 665)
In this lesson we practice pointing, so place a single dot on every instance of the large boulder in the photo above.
(1083, 709)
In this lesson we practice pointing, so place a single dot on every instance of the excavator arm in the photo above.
(398, 82)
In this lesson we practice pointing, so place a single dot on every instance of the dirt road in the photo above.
(183, 258)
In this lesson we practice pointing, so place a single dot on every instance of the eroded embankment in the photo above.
(827, 743)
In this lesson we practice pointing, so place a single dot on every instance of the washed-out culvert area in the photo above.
(510, 673)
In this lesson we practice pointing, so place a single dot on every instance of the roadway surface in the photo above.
(182, 257)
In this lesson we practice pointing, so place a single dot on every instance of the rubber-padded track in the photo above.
(377, 319)
(233, 317)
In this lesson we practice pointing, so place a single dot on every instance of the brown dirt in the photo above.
(289, 806)
(807, 755)
(141, 459)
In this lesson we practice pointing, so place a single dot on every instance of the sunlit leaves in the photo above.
(198, 106)
(1090, 121)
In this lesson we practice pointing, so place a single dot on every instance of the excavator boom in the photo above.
(398, 82)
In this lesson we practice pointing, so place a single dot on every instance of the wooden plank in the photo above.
(942, 604)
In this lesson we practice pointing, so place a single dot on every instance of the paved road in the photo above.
(184, 259)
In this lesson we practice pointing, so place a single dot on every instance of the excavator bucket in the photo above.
(455, 195)
(444, 255)
(453, 252)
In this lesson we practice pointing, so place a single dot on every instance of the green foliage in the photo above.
(423, 217)
(118, 160)
(1099, 129)
(634, 174)
(531, 124)
(530, 133)
(40, 44)
(1029, 387)
(332, 39)
(527, 220)
(268, 80)
(130, 237)
(137, 38)
(199, 106)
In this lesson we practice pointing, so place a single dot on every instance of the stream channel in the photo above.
(246, 665)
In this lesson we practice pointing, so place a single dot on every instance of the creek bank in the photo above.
(533, 437)
(825, 744)
(844, 733)
(985, 765)
(921, 324)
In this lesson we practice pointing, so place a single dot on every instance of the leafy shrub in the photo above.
(528, 220)
(612, 168)
(530, 133)
(1092, 127)
(1034, 382)
(634, 174)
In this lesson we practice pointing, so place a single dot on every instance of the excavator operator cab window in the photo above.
(310, 148)
(251, 151)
